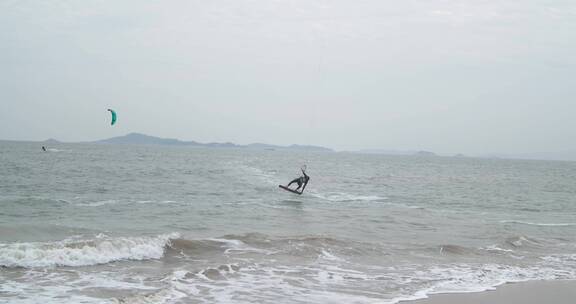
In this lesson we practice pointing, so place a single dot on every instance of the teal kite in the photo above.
(113, 116)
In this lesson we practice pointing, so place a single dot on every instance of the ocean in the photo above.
(86, 223)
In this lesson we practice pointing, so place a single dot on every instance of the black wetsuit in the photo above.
(301, 181)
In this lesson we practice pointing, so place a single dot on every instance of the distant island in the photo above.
(425, 154)
(143, 139)
(398, 152)
(51, 141)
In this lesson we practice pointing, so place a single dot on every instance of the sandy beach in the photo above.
(536, 292)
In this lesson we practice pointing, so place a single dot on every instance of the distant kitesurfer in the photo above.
(302, 181)
(43, 148)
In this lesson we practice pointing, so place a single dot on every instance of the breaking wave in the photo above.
(101, 250)
(256, 267)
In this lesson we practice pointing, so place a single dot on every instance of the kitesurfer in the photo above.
(302, 181)
(43, 148)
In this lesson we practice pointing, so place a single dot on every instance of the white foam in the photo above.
(326, 255)
(497, 249)
(40, 286)
(562, 260)
(99, 203)
(228, 242)
(83, 253)
(239, 246)
(330, 279)
(539, 224)
(329, 283)
(169, 295)
(461, 278)
(345, 197)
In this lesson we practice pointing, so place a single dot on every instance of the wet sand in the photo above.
(536, 292)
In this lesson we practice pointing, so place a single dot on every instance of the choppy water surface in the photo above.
(139, 224)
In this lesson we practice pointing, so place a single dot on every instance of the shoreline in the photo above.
(530, 292)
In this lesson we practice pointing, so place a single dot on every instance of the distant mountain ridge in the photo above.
(51, 141)
(143, 139)
(398, 152)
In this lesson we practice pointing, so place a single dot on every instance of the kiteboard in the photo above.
(289, 190)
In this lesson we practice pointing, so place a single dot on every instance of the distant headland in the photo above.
(143, 139)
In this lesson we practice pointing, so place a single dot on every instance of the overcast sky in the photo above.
(474, 76)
